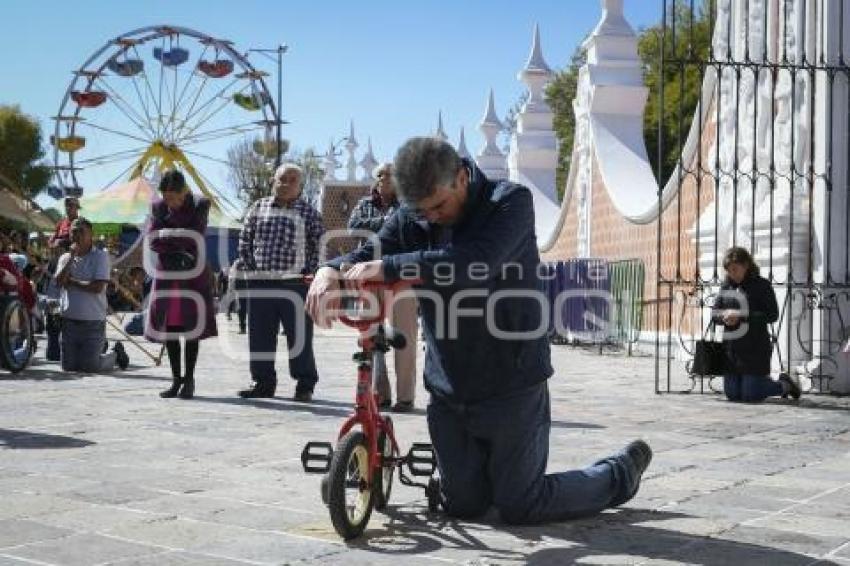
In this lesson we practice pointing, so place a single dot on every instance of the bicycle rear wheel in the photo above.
(350, 497)
(16, 335)
(383, 483)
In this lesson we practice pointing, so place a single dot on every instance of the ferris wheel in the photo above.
(154, 98)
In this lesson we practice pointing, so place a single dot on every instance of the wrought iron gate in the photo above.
(762, 163)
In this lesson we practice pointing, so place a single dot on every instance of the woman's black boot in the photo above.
(188, 389)
(172, 391)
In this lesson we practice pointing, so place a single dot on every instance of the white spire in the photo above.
(368, 163)
(491, 160)
(535, 62)
(533, 156)
(330, 163)
(351, 145)
(461, 146)
(490, 113)
(440, 133)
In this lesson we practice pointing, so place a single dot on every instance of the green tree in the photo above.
(21, 151)
(687, 39)
(685, 53)
(249, 170)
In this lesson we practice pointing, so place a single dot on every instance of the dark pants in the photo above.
(750, 388)
(82, 346)
(495, 452)
(273, 304)
(242, 312)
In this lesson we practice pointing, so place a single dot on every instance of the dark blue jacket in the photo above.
(492, 249)
(750, 353)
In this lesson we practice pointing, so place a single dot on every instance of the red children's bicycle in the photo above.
(359, 471)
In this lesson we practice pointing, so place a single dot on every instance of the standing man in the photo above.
(369, 214)
(82, 275)
(61, 237)
(279, 244)
(489, 415)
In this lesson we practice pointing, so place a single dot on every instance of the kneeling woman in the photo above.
(174, 311)
(746, 305)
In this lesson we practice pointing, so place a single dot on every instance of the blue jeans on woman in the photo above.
(750, 388)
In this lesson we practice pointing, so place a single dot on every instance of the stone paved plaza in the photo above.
(100, 470)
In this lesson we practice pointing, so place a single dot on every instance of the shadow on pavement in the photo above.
(35, 373)
(319, 407)
(612, 537)
(572, 424)
(22, 439)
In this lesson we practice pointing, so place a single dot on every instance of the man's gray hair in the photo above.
(290, 166)
(423, 164)
(383, 167)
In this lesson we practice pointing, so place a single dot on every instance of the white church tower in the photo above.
(462, 150)
(533, 157)
(368, 163)
(491, 160)
(351, 146)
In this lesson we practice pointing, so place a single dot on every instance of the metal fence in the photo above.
(763, 164)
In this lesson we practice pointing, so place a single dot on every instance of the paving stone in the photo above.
(14, 532)
(136, 479)
(82, 550)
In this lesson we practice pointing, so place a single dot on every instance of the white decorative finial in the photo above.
(535, 62)
(368, 163)
(330, 163)
(490, 113)
(461, 146)
(491, 160)
(535, 75)
(440, 133)
(351, 145)
(613, 22)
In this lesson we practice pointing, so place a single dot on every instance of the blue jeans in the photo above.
(494, 453)
(82, 346)
(750, 388)
(266, 314)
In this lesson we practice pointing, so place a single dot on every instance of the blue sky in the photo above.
(389, 66)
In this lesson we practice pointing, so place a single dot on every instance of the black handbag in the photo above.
(709, 355)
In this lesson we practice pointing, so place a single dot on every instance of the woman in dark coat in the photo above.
(745, 307)
(170, 315)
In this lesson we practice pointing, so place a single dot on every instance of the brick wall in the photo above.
(338, 200)
(613, 237)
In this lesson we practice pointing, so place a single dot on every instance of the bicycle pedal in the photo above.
(421, 460)
(316, 457)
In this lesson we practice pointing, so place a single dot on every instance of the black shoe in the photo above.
(385, 404)
(403, 407)
(176, 382)
(640, 454)
(242, 331)
(257, 391)
(303, 396)
(121, 357)
(105, 347)
(792, 388)
(188, 389)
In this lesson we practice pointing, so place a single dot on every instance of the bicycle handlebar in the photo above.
(376, 286)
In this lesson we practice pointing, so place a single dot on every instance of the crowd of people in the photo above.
(489, 409)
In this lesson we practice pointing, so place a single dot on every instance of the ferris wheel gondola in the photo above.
(154, 98)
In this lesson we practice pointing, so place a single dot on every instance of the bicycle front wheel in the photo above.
(349, 493)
